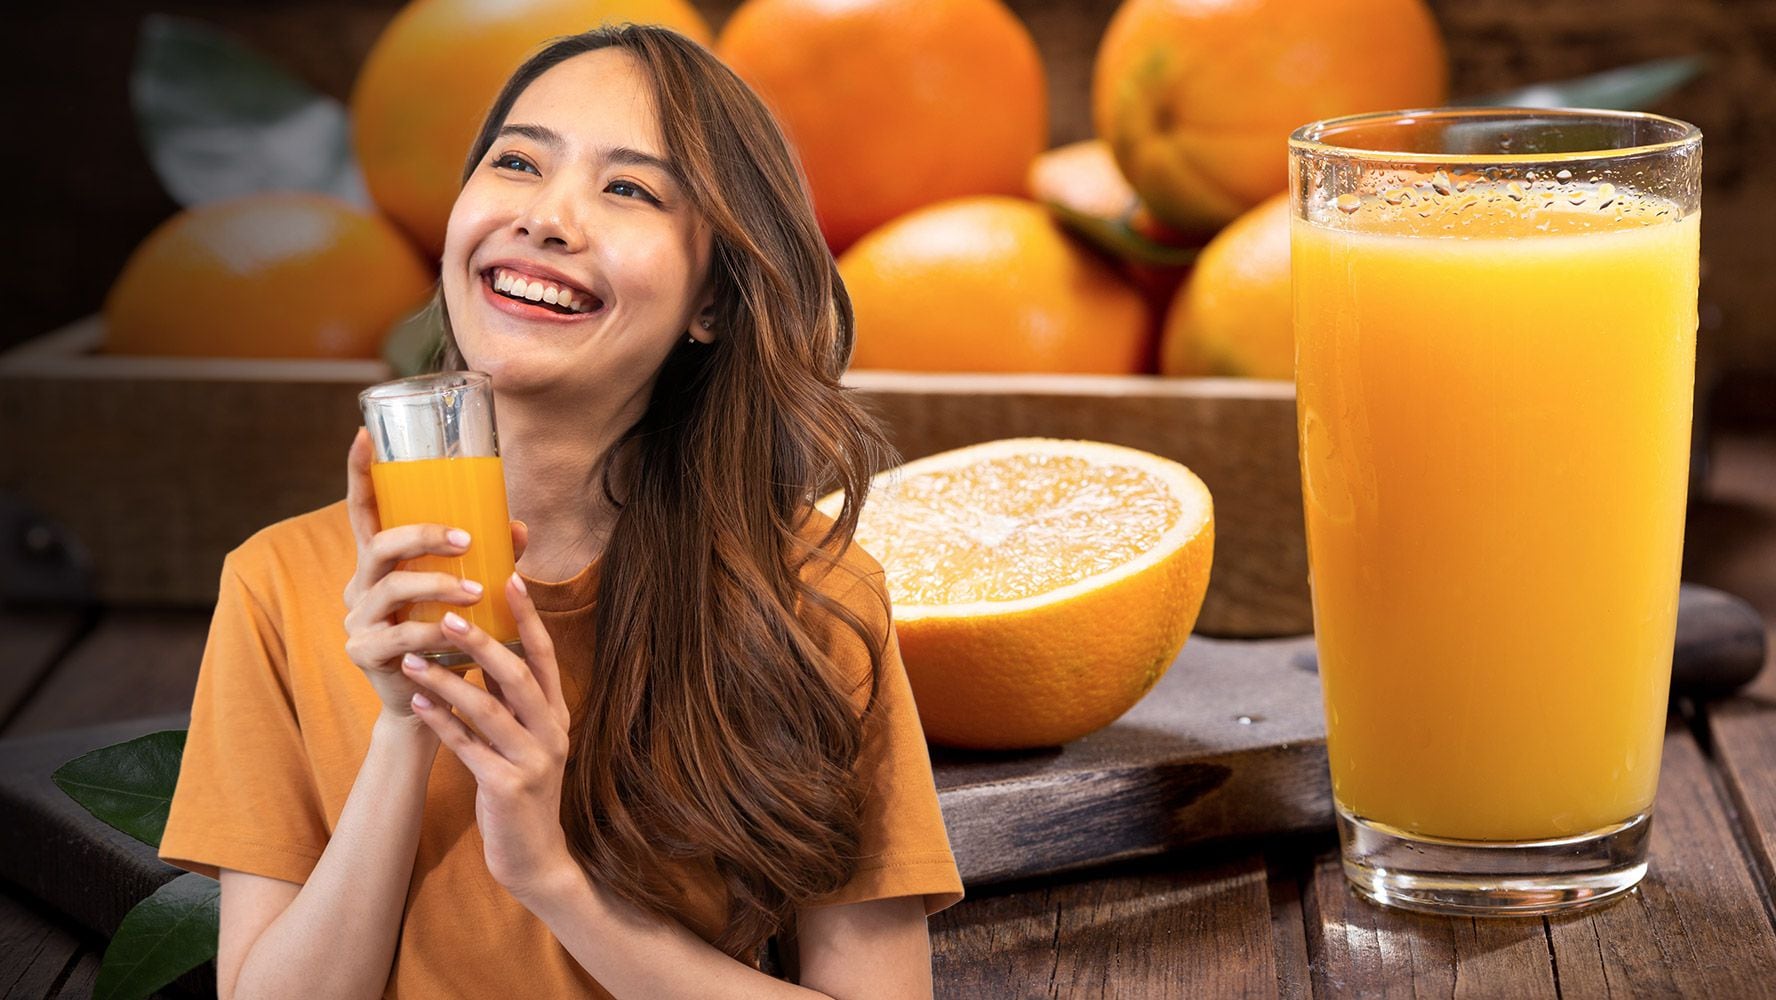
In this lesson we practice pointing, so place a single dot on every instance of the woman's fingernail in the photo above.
(518, 581)
(472, 587)
(413, 662)
(454, 622)
(458, 538)
(420, 701)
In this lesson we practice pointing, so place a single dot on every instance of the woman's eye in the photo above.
(504, 163)
(634, 190)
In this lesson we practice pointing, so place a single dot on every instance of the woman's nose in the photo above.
(552, 218)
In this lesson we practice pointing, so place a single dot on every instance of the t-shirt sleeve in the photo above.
(246, 798)
(904, 848)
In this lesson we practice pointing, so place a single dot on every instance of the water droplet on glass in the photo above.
(1515, 190)
(1530, 176)
(1564, 175)
(1440, 183)
(1606, 194)
(1347, 203)
(1398, 196)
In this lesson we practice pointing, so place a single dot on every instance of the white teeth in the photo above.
(539, 291)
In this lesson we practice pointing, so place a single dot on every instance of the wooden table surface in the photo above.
(1246, 919)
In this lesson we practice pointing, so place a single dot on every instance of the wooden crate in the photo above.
(159, 466)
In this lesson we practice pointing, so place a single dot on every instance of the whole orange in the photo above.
(989, 284)
(433, 73)
(1235, 314)
(1197, 98)
(283, 275)
(894, 104)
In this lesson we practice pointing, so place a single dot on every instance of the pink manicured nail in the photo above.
(413, 662)
(454, 622)
(518, 582)
(458, 538)
(421, 701)
(472, 587)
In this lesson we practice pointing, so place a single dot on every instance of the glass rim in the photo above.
(1314, 137)
(422, 385)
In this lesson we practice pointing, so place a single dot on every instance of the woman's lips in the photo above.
(533, 311)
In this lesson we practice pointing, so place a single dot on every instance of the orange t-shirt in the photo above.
(281, 724)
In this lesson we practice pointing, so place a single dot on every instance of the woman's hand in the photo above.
(375, 639)
(517, 748)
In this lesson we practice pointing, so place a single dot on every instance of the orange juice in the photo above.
(466, 493)
(1494, 409)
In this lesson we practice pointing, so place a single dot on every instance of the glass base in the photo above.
(1492, 878)
(460, 661)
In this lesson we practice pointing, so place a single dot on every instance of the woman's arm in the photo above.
(336, 936)
(875, 949)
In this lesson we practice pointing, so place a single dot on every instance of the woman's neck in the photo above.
(555, 483)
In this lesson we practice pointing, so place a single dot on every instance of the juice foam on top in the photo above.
(1461, 207)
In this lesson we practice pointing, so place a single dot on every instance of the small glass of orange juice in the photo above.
(437, 462)
(1495, 334)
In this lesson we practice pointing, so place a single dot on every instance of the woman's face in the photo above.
(574, 195)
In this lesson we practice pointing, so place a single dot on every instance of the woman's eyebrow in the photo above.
(551, 139)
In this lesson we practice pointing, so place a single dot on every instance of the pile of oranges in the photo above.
(922, 128)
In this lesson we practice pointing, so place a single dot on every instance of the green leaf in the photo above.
(414, 342)
(167, 935)
(128, 785)
(1630, 88)
(1120, 240)
(218, 121)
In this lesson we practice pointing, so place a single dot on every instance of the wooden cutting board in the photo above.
(1231, 742)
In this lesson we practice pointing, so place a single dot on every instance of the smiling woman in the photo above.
(710, 740)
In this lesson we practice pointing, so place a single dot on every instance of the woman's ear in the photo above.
(703, 326)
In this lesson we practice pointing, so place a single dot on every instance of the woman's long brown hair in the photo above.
(714, 727)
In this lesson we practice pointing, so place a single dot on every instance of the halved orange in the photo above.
(1040, 586)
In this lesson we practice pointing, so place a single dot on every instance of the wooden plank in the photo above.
(1158, 931)
(1289, 866)
(1732, 544)
(1359, 949)
(1697, 926)
(134, 663)
(29, 643)
(1180, 768)
(35, 949)
(83, 977)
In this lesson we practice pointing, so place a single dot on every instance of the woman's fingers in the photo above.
(539, 647)
(384, 645)
(520, 539)
(509, 677)
(360, 491)
(410, 541)
(404, 587)
(475, 754)
(487, 714)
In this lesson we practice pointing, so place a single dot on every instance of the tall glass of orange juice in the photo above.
(1495, 321)
(437, 462)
